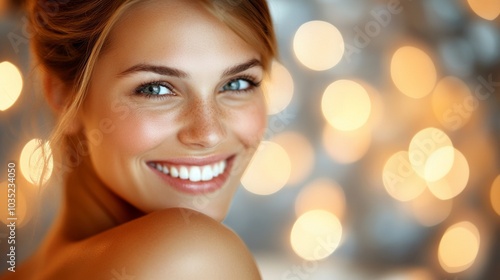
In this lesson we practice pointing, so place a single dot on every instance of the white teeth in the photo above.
(174, 172)
(215, 170)
(183, 173)
(193, 173)
(159, 167)
(207, 173)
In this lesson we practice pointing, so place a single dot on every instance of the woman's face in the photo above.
(174, 110)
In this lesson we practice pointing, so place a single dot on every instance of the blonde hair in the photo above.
(69, 36)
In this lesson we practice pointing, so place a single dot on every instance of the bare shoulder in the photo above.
(169, 244)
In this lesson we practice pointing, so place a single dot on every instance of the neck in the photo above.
(90, 207)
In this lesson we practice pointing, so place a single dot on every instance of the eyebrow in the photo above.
(169, 71)
(241, 67)
(161, 70)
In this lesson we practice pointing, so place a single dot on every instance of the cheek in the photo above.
(250, 124)
(141, 133)
(133, 135)
(122, 130)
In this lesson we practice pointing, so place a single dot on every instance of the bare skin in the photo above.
(175, 243)
(120, 215)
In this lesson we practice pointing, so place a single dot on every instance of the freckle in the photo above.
(206, 116)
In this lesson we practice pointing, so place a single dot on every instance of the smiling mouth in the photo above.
(192, 173)
(194, 176)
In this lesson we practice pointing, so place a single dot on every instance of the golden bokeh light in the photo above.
(399, 178)
(316, 235)
(323, 194)
(439, 163)
(34, 157)
(431, 154)
(279, 89)
(346, 146)
(430, 211)
(413, 71)
(455, 181)
(453, 103)
(300, 152)
(20, 207)
(495, 195)
(459, 247)
(318, 45)
(268, 171)
(11, 85)
(377, 105)
(487, 9)
(346, 105)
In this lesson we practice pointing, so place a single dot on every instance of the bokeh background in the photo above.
(381, 160)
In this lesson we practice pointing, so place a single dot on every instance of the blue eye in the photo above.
(237, 85)
(155, 89)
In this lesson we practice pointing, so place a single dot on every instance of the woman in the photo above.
(160, 111)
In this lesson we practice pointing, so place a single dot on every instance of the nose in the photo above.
(203, 127)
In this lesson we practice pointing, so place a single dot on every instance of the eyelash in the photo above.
(154, 83)
(251, 80)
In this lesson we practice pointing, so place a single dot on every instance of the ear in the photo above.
(57, 94)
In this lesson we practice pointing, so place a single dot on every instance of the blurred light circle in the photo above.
(495, 195)
(453, 103)
(346, 146)
(316, 234)
(377, 105)
(323, 194)
(459, 247)
(487, 9)
(34, 157)
(431, 154)
(300, 152)
(455, 180)
(430, 211)
(268, 170)
(346, 105)
(413, 72)
(279, 89)
(439, 163)
(399, 178)
(11, 85)
(318, 45)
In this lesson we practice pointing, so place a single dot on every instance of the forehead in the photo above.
(177, 33)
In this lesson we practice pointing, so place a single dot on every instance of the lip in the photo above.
(194, 160)
(200, 187)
